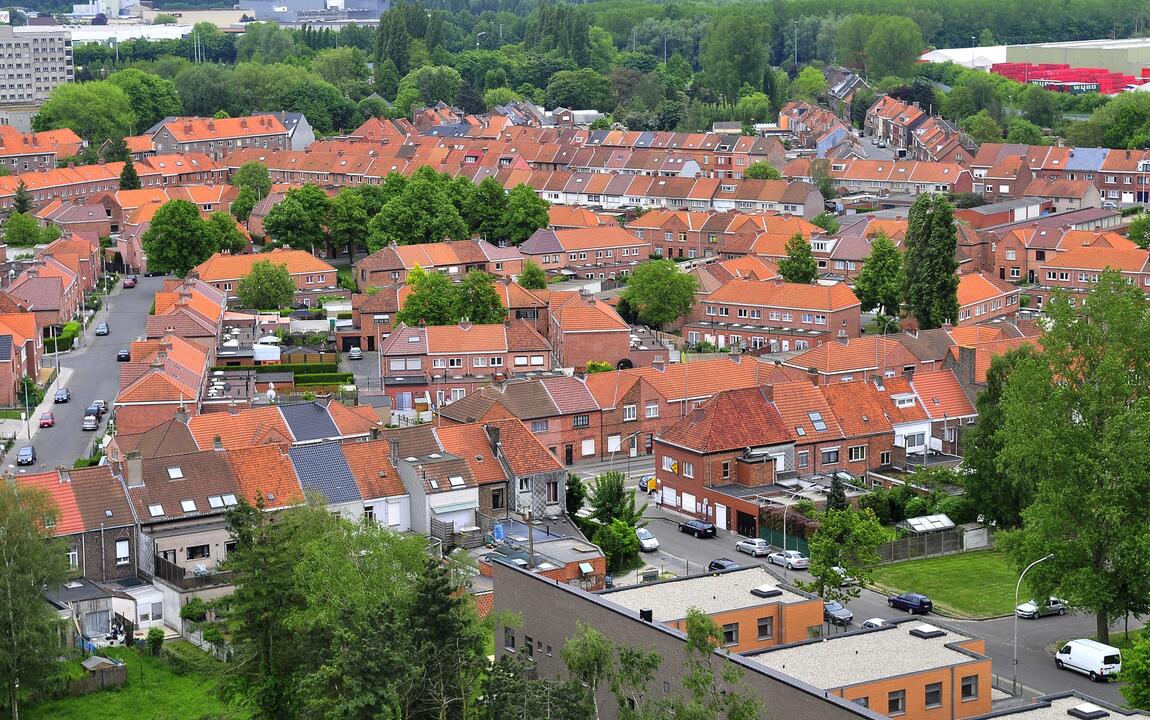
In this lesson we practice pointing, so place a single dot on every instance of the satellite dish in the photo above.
(227, 387)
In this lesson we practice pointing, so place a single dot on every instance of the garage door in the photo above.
(688, 502)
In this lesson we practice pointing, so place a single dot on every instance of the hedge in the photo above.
(64, 340)
(317, 367)
(324, 379)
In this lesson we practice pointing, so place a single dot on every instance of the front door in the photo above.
(720, 516)
(568, 454)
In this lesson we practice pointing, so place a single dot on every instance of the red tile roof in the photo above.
(266, 471)
(942, 396)
(730, 420)
(220, 267)
(370, 464)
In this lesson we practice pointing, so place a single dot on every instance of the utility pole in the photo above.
(796, 48)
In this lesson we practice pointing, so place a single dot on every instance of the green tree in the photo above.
(386, 80)
(21, 230)
(930, 262)
(827, 221)
(348, 222)
(205, 88)
(881, 281)
(1024, 132)
(526, 212)
(1040, 106)
(576, 492)
(1139, 231)
(244, 203)
(129, 178)
(999, 498)
(846, 539)
(300, 219)
(612, 500)
(619, 544)
(732, 52)
(225, 235)
(851, 39)
(799, 266)
(344, 67)
(433, 301)
(893, 47)
(31, 558)
(982, 128)
(477, 300)
(659, 293)
(710, 692)
(429, 85)
(590, 658)
(837, 497)
(155, 640)
(487, 209)
(582, 89)
(115, 150)
(96, 111)
(753, 107)
(392, 41)
(762, 170)
(22, 200)
(421, 213)
(253, 175)
(596, 366)
(177, 239)
(151, 97)
(265, 42)
(1135, 675)
(532, 277)
(810, 85)
(1077, 421)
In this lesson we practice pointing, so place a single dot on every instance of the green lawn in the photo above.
(974, 584)
(153, 692)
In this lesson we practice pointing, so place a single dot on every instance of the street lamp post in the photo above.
(1017, 587)
(477, 36)
(786, 509)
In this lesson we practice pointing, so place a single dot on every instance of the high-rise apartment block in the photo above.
(33, 61)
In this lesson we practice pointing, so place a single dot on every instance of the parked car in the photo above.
(63, 395)
(647, 541)
(355, 353)
(123, 355)
(698, 528)
(102, 329)
(1110, 205)
(26, 455)
(90, 422)
(102, 405)
(790, 559)
(722, 564)
(1091, 658)
(93, 410)
(130, 281)
(755, 547)
(911, 602)
(1031, 609)
(47, 420)
(836, 614)
(874, 624)
(844, 579)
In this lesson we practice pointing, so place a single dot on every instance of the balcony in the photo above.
(181, 578)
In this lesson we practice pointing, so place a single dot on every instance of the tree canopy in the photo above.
(177, 239)
(881, 281)
(659, 293)
(267, 286)
(931, 263)
(436, 300)
(800, 265)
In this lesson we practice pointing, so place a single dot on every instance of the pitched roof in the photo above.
(68, 520)
(806, 413)
(772, 293)
(470, 442)
(702, 378)
(573, 313)
(135, 419)
(860, 353)
(525, 400)
(265, 471)
(243, 428)
(309, 421)
(857, 407)
(169, 438)
(569, 394)
(730, 420)
(522, 450)
(322, 468)
(942, 395)
(195, 129)
(221, 267)
(1099, 258)
(370, 465)
(979, 287)
(608, 387)
(179, 486)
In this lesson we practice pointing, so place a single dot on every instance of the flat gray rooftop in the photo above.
(844, 660)
(1059, 710)
(713, 593)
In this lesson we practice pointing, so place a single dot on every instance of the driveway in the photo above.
(91, 373)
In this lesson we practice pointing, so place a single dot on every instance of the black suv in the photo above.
(698, 528)
(913, 603)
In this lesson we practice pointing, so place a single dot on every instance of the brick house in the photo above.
(855, 359)
(756, 314)
(453, 360)
(219, 137)
(983, 298)
(602, 252)
(454, 258)
(311, 275)
(1077, 269)
(1065, 195)
(583, 328)
(21, 347)
(894, 121)
(632, 412)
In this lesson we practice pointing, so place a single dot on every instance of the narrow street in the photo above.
(91, 373)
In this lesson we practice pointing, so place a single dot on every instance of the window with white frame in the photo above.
(668, 463)
(830, 456)
(688, 469)
(652, 410)
(856, 453)
(630, 413)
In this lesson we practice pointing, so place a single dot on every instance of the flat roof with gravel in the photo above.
(714, 593)
(1059, 709)
(844, 660)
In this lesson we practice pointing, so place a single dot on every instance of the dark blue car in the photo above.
(913, 603)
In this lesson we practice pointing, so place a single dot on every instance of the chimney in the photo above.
(465, 325)
(182, 415)
(658, 365)
(646, 614)
(232, 408)
(813, 375)
(3, 253)
(135, 466)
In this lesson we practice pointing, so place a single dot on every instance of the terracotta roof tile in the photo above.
(221, 267)
(247, 427)
(470, 443)
(730, 420)
(265, 471)
(942, 396)
(370, 465)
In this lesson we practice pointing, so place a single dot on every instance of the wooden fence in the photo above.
(933, 544)
(99, 680)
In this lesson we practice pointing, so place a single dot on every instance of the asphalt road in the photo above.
(1036, 638)
(95, 375)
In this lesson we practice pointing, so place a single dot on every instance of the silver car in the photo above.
(1033, 610)
(790, 559)
(755, 547)
(647, 541)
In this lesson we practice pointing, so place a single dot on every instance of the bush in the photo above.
(155, 640)
(336, 378)
(917, 507)
(798, 525)
(195, 610)
(878, 502)
(301, 368)
(64, 339)
(619, 543)
(958, 508)
(186, 659)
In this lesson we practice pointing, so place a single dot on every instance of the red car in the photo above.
(130, 281)
(47, 420)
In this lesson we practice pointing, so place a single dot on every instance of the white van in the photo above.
(1089, 657)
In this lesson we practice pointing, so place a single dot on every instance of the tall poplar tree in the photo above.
(931, 262)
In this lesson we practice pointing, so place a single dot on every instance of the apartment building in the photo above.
(219, 137)
(33, 62)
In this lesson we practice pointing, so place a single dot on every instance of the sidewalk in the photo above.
(20, 429)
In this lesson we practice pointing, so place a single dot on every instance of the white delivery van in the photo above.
(1089, 657)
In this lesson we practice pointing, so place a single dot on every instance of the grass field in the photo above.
(153, 692)
(974, 584)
